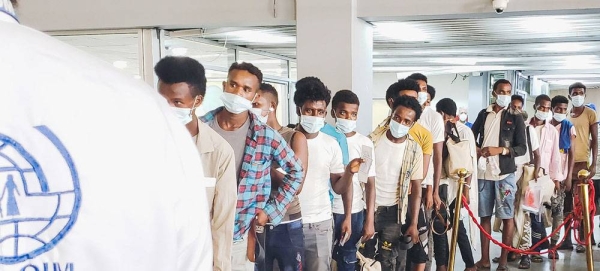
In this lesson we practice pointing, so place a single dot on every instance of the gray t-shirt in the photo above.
(237, 140)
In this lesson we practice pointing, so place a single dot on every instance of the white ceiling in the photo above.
(563, 46)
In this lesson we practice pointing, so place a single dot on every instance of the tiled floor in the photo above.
(569, 260)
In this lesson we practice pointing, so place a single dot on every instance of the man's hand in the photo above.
(491, 151)
(368, 232)
(437, 201)
(556, 186)
(592, 170)
(413, 233)
(261, 218)
(466, 194)
(429, 199)
(346, 230)
(479, 154)
(568, 183)
(354, 165)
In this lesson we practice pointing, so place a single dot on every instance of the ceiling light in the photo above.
(580, 75)
(179, 51)
(455, 61)
(257, 36)
(545, 24)
(564, 47)
(120, 64)
(569, 82)
(404, 31)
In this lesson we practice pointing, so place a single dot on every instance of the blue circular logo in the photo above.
(39, 196)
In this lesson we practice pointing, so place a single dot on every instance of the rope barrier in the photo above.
(576, 218)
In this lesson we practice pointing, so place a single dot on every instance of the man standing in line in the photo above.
(344, 108)
(585, 122)
(566, 143)
(256, 146)
(500, 137)
(284, 242)
(325, 170)
(398, 183)
(182, 81)
(463, 116)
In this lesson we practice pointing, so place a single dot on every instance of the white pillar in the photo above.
(336, 46)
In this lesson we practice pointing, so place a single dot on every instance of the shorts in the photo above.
(499, 194)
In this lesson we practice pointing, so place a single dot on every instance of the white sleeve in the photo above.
(437, 128)
(373, 163)
(336, 165)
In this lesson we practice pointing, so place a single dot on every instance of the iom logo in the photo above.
(39, 194)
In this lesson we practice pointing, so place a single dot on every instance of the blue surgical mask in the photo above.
(398, 130)
(312, 124)
(503, 100)
(235, 104)
(345, 126)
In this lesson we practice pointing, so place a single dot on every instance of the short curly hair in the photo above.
(410, 103)
(344, 96)
(403, 84)
(311, 89)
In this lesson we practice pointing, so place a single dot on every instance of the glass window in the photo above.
(293, 71)
(268, 65)
(208, 55)
(120, 50)
(214, 88)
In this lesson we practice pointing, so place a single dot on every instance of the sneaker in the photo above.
(553, 256)
(580, 249)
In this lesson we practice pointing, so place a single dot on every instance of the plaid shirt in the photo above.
(263, 146)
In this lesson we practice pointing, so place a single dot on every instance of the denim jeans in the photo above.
(345, 256)
(284, 243)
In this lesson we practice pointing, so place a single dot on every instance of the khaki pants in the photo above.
(239, 259)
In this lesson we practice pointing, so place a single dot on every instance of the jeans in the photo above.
(284, 243)
(345, 256)
(440, 242)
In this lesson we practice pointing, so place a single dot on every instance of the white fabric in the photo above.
(389, 158)
(491, 138)
(434, 123)
(355, 144)
(535, 144)
(142, 205)
(325, 158)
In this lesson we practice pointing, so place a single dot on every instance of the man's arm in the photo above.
(476, 128)
(300, 147)
(437, 172)
(594, 146)
(284, 156)
(369, 227)
(519, 144)
(428, 199)
(224, 208)
(340, 183)
(571, 161)
(347, 223)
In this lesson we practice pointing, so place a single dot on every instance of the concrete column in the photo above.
(336, 46)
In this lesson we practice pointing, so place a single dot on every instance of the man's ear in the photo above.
(390, 102)
(198, 101)
(298, 111)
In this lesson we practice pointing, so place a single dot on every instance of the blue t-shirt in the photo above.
(343, 142)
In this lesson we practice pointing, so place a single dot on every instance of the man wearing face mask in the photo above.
(399, 218)
(567, 135)
(463, 117)
(256, 146)
(585, 122)
(182, 81)
(284, 242)
(500, 138)
(325, 170)
(344, 108)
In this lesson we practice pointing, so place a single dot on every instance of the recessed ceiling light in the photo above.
(558, 76)
(179, 51)
(402, 31)
(120, 64)
(564, 47)
(257, 36)
(545, 24)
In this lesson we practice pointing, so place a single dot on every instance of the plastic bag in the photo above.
(532, 200)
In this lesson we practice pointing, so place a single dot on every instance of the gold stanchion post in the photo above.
(585, 200)
(462, 173)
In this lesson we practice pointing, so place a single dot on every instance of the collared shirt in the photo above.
(564, 166)
(550, 159)
(221, 190)
(263, 147)
(491, 139)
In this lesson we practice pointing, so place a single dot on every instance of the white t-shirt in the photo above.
(325, 158)
(355, 145)
(114, 181)
(389, 158)
(433, 122)
(535, 144)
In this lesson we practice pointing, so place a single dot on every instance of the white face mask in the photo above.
(542, 115)
(345, 126)
(312, 124)
(422, 98)
(462, 117)
(559, 117)
(235, 104)
(184, 115)
(259, 113)
(398, 130)
(503, 100)
(578, 100)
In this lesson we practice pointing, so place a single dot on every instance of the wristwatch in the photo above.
(468, 185)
